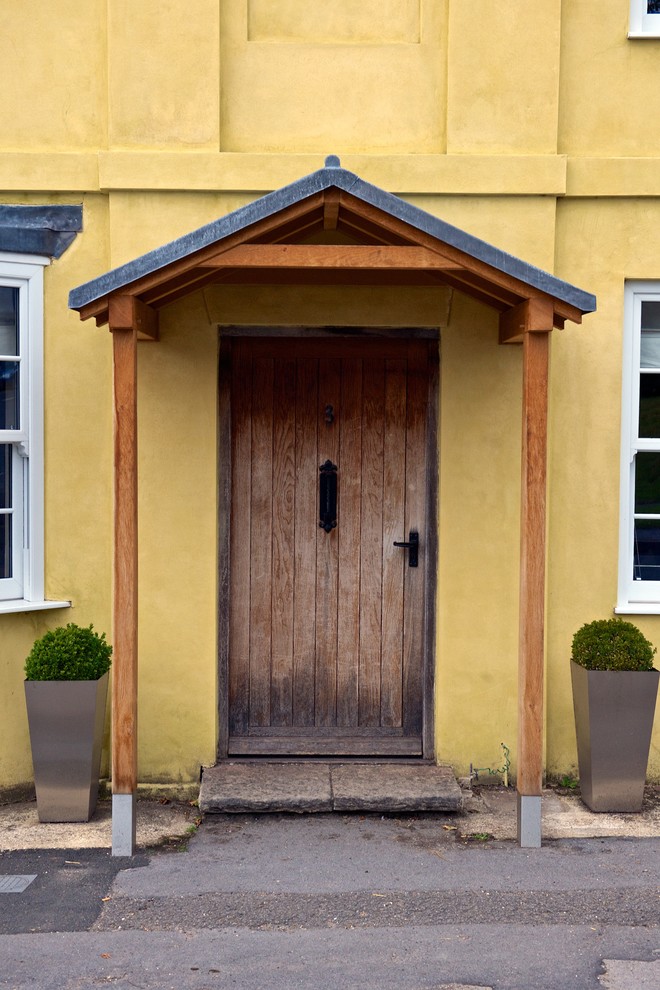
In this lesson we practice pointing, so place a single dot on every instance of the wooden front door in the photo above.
(326, 623)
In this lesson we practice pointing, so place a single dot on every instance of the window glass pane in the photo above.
(646, 557)
(5, 546)
(8, 320)
(9, 398)
(650, 349)
(647, 483)
(5, 476)
(653, 7)
(649, 405)
(651, 314)
(5, 517)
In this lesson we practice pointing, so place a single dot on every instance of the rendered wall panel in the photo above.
(52, 75)
(503, 77)
(301, 91)
(340, 22)
(163, 74)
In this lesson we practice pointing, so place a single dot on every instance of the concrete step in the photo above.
(270, 786)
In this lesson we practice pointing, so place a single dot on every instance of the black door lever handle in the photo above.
(412, 546)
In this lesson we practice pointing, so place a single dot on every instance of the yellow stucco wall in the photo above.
(53, 74)
(78, 482)
(502, 93)
(608, 103)
(533, 126)
(586, 416)
(177, 413)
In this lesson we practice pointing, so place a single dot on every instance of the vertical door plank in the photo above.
(395, 559)
(261, 541)
(306, 529)
(371, 543)
(414, 591)
(241, 481)
(327, 553)
(284, 391)
(350, 460)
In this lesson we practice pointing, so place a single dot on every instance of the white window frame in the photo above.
(635, 597)
(25, 591)
(643, 24)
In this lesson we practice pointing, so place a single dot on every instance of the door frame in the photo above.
(430, 556)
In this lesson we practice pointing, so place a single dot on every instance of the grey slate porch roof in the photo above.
(329, 177)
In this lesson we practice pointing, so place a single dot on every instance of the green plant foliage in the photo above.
(69, 653)
(612, 644)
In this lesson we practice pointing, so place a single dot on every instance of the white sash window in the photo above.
(639, 556)
(21, 429)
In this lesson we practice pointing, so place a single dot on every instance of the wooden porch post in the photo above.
(532, 579)
(124, 670)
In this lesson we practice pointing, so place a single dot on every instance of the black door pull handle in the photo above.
(412, 546)
(328, 496)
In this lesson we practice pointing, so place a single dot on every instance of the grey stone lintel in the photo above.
(43, 230)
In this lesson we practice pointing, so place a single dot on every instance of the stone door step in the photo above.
(316, 787)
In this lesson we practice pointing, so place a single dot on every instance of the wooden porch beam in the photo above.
(371, 256)
(126, 312)
(330, 209)
(97, 309)
(534, 315)
(532, 586)
(124, 669)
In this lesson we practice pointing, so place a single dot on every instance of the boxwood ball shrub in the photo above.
(69, 653)
(612, 644)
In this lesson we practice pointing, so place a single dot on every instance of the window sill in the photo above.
(21, 605)
(638, 608)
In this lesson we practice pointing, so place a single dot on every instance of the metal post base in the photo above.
(123, 824)
(529, 821)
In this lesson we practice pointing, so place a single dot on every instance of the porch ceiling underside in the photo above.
(331, 228)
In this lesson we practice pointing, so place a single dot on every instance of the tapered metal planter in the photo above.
(613, 721)
(66, 733)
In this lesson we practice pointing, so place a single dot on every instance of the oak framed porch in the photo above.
(332, 228)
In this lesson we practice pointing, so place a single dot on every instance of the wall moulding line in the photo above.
(443, 175)
(231, 171)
